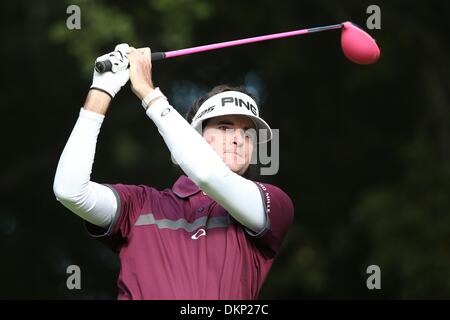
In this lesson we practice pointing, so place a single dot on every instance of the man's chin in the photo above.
(239, 169)
(233, 167)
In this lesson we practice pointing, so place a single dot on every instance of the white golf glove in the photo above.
(111, 81)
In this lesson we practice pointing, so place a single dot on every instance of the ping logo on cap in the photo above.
(240, 102)
(227, 102)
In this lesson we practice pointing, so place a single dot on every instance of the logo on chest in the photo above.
(200, 232)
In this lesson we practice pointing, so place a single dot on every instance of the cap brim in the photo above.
(266, 134)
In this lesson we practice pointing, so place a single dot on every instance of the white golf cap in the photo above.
(231, 103)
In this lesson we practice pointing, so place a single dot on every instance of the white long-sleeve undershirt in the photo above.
(97, 203)
(93, 202)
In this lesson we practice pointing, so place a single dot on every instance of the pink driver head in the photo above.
(358, 46)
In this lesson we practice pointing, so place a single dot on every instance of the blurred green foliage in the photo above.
(106, 24)
(178, 19)
(101, 26)
(408, 222)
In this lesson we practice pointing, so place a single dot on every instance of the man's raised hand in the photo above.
(141, 71)
(111, 81)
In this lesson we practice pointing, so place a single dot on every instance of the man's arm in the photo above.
(97, 101)
(93, 202)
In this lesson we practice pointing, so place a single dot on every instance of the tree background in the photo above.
(364, 150)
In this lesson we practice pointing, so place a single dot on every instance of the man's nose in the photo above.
(238, 137)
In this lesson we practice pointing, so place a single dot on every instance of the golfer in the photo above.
(214, 234)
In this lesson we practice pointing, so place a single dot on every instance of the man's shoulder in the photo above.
(128, 186)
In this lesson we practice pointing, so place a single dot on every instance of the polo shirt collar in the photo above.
(185, 187)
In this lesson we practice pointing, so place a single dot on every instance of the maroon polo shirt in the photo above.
(178, 243)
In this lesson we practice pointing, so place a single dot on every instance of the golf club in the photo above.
(357, 45)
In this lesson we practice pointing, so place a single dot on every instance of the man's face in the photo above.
(228, 136)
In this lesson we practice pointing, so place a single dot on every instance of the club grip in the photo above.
(158, 56)
(103, 66)
(106, 65)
